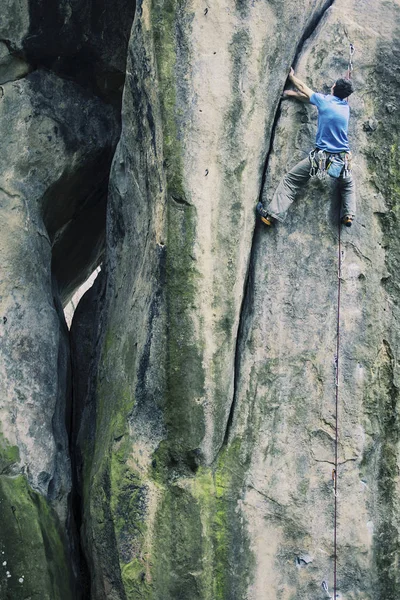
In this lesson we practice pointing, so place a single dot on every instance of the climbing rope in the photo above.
(337, 362)
(337, 357)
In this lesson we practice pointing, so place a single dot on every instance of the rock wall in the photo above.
(58, 137)
(180, 443)
(209, 474)
(288, 348)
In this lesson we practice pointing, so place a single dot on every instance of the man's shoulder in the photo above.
(317, 98)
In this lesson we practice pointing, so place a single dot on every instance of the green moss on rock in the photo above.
(32, 545)
(166, 18)
(128, 505)
(185, 375)
(178, 547)
(9, 455)
(202, 546)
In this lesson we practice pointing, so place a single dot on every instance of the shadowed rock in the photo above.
(55, 140)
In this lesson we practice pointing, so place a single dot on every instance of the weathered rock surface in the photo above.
(85, 41)
(55, 135)
(286, 376)
(209, 470)
(202, 425)
(58, 139)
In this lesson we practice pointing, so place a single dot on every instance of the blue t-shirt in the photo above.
(333, 123)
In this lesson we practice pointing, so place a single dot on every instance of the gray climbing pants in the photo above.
(296, 178)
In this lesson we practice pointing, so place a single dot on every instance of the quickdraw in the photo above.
(350, 66)
(347, 164)
(318, 162)
(322, 164)
(313, 163)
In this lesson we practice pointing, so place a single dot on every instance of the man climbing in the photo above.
(331, 156)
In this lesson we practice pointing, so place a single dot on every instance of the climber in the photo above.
(331, 156)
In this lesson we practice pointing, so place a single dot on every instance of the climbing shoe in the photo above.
(265, 217)
(347, 220)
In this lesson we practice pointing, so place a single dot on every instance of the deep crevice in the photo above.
(81, 373)
(308, 32)
(87, 44)
(76, 504)
(311, 28)
(245, 300)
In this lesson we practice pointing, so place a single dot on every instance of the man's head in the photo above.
(342, 88)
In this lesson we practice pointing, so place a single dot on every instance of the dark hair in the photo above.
(343, 88)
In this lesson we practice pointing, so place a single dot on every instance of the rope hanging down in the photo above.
(337, 362)
(337, 357)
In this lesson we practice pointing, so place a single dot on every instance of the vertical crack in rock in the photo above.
(308, 32)
(82, 571)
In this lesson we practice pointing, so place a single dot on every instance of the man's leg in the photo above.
(347, 188)
(287, 189)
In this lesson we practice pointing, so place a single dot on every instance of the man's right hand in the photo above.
(302, 87)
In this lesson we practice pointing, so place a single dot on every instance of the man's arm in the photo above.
(296, 95)
(300, 85)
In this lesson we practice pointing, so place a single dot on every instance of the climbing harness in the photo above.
(324, 163)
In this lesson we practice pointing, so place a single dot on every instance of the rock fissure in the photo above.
(236, 363)
(265, 495)
(309, 31)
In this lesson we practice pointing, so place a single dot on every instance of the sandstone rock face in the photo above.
(185, 449)
(14, 25)
(211, 463)
(288, 348)
(55, 139)
(85, 41)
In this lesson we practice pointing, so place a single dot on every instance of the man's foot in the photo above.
(347, 220)
(265, 217)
